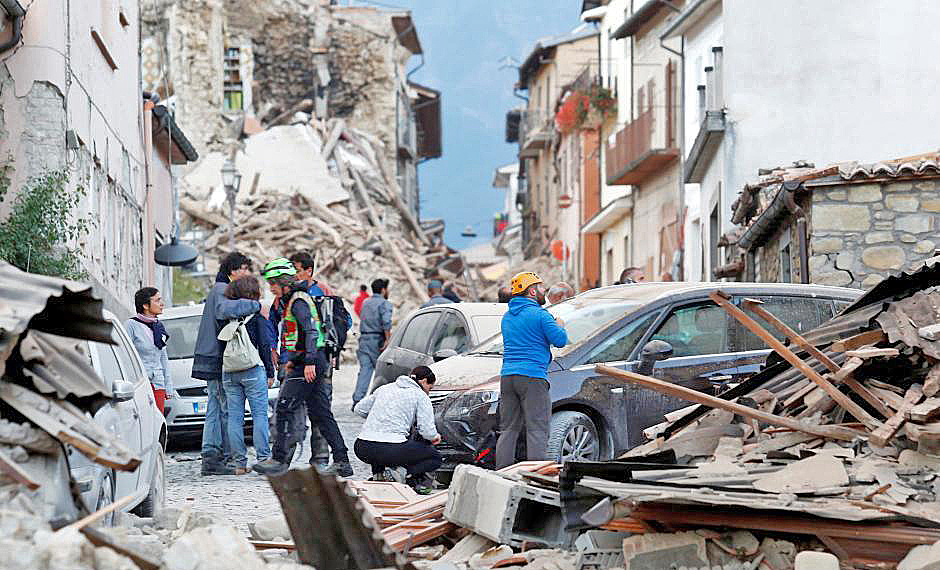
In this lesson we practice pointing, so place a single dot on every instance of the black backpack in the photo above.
(336, 322)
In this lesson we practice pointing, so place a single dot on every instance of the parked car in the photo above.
(132, 415)
(435, 333)
(594, 417)
(186, 414)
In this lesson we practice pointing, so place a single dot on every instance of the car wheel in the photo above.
(106, 497)
(572, 436)
(156, 497)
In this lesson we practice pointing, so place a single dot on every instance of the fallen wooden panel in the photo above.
(881, 436)
(865, 353)
(858, 341)
(925, 411)
(677, 391)
(68, 424)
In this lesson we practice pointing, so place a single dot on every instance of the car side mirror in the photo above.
(122, 391)
(653, 352)
(444, 353)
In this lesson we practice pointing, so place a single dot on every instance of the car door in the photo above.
(410, 348)
(452, 333)
(802, 314)
(126, 418)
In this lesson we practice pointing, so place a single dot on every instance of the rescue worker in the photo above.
(559, 292)
(528, 333)
(436, 294)
(305, 363)
(375, 328)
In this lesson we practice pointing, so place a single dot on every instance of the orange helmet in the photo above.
(523, 281)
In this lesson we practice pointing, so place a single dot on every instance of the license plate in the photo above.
(199, 407)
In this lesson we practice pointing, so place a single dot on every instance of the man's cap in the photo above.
(435, 284)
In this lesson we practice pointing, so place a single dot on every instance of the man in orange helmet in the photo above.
(528, 333)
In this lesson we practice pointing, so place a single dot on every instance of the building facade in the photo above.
(70, 94)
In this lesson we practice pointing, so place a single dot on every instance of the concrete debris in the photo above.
(273, 528)
(212, 548)
(811, 560)
(487, 558)
(923, 557)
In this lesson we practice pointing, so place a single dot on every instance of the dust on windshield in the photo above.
(183, 332)
(582, 319)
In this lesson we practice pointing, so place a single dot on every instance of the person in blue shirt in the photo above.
(529, 332)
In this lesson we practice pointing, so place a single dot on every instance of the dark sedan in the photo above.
(593, 418)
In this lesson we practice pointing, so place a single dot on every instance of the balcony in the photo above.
(535, 132)
(635, 156)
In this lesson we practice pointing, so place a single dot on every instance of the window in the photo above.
(620, 345)
(232, 80)
(801, 314)
(132, 371)
(452, 335)
(627, 258)
(785, 269)
(714, 228)
(696, 330)
(419, 331)
(610, 265)
(110, 370)
(183, 332)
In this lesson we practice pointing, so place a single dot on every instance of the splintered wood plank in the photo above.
(754, 306)
(891, 399)
(881, 435)
(845, 376)
(15, 472)
(858, 341)
(695, 396)
(385, 494)
(722, 299)
(925, 411)
(865, 353)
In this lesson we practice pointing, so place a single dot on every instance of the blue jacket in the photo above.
(528, 330)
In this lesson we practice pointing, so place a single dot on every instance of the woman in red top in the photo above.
(363, 295)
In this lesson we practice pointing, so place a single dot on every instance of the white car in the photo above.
(132, 415)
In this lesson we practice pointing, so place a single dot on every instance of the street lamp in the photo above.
(232, 180)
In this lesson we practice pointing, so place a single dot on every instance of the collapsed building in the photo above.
(313, 104)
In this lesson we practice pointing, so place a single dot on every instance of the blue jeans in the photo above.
(368, 353)
(251, 384)
(215, 444)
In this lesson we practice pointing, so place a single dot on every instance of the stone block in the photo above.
(907, 238)
(884, 257)
(837, 195)
(899, 186)
(925, 186)
(872, 280)
(845, 260)
(655, 551)
(841, 217)
(930, 205)
(902, 203)
(922, 557)
(914, 223)
(210, 548)
(883, 225)
(885, 216)
(878, 237)
(270, 528)
(925, 246)
(865, 193)
(812, 560)
(818, 262)
(877, 206)
(826, 245)
(832, 278)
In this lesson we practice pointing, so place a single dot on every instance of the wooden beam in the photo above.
(722, 300)
(864, 353)
(17, 473)
(924, 412)
(270, 544)
(858, 341)
(754, 306)
(99, 514)
(881, 435)
(690, 395)
(331, 141)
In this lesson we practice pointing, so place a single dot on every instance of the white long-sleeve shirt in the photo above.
(154, 359)
(392, 409)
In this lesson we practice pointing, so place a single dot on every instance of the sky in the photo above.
(465, 43)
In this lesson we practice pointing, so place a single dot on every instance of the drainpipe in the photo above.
(801, 233)
(18, 14)
(680, 135)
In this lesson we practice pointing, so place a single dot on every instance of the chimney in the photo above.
(719, 98)
(709, 88)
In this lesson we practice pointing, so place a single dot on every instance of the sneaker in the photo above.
(383, 477)
(341, 468)
(216, 468)
(270, 467)
(397, 474)
(421, 484)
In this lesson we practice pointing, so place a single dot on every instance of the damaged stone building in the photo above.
(71, 104)
(236, 68)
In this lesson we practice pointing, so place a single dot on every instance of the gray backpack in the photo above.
(239, 354)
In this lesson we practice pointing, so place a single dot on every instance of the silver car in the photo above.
(186, 413)
(133, 416)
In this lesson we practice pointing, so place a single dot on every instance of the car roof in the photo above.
(183, 311)
(473, 309)
(649, 292)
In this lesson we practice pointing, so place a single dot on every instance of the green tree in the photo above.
(41, 232)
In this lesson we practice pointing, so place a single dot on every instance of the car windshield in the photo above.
(582, 317)
(182, 331)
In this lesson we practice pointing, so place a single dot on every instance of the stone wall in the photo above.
(859, 233)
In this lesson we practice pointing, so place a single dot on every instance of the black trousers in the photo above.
(418, 457)
(291, 425)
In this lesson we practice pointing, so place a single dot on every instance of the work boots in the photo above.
(270, 467)
(215, 465)
(341, 468)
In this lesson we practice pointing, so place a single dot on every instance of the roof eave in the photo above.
(637, 19)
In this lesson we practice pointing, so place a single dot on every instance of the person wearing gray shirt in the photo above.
(149, 337)
(375, 328)
(436, 295)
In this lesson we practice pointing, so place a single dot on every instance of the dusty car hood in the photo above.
(465, 371)
(181, 372)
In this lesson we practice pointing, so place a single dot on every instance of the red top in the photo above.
(357, 306)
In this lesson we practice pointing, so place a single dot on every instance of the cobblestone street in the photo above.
(242, 499)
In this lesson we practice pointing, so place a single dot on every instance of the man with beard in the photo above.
(529, 331)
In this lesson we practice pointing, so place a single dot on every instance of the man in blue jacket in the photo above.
(528, 333)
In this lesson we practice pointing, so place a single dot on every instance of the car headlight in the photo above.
(469, 403)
